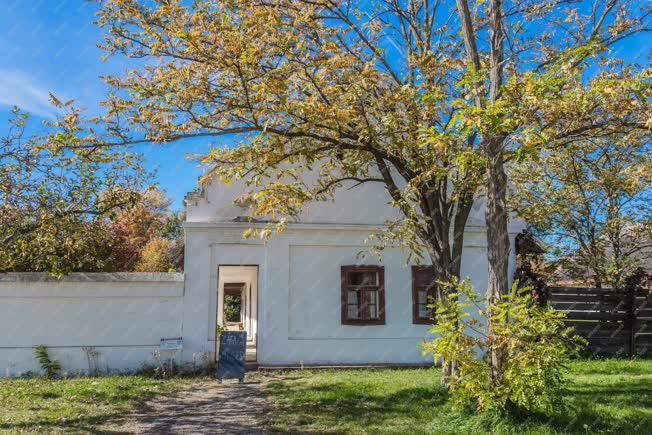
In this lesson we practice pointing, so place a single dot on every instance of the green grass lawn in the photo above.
(75, 404)
(607, 396)
(603, 396)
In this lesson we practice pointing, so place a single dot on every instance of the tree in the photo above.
(592, 200)
(154, 256)
(53, 200)
(134, 228)
(172, 228)
(147, 237)
(428, 98)
(173, 231)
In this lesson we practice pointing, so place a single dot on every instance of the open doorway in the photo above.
(235, 296)
(237, 303)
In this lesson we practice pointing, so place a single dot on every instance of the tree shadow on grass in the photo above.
(122, 398)
(353, 404)
(624, 393)
(81, 423)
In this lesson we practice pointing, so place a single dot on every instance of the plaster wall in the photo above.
(91, 323)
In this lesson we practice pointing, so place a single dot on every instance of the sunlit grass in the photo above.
(74, 404)
(602, 396)
(612, 396)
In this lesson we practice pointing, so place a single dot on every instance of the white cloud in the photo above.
(20, 89)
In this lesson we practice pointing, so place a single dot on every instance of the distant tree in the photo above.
(232, 307)
(133, 228)
(592, 201)
(54, 199)
(154, 256)
(176, 254)
(173, 231)
(172, 228)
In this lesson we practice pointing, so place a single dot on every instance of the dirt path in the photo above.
(206, 407)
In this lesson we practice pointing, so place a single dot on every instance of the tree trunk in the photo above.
(447, 262)
(462, 211)
(497, 244)
(442, 272)
(496, 212)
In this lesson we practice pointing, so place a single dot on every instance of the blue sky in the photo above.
(50, 46)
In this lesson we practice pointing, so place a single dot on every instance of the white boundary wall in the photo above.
(91, 322)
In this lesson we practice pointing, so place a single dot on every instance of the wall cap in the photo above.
(512, 228)
(93, 277)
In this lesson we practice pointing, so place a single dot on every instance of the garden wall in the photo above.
(90, 322)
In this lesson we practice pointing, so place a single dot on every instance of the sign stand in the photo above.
(231, 356)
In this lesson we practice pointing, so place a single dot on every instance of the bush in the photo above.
(49, 366)
(537, 349)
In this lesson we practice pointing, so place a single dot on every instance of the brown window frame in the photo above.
(430, 293)
(380, 288)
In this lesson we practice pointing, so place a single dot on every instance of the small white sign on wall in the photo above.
(174, 343)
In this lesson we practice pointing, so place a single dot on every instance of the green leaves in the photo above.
(591, 200)
(50, 367)
(537, 344)
(55, 192)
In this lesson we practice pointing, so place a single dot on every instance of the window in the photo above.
(423, 294)
(363, 295)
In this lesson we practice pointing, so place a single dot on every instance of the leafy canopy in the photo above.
(54, 199)
(592, 202)
(404, 93)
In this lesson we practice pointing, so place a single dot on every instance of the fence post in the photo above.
(630, 318)
(633, 284)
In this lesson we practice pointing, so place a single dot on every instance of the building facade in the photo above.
(321, 296)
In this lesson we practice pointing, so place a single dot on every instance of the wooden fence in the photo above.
(614, 324)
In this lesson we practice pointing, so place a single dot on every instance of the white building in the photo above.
(304, 299)
(313, 295)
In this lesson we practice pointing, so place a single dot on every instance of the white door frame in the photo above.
(250, 277)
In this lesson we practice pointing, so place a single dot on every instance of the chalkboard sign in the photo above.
(231, 362)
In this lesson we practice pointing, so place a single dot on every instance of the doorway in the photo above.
(237, 303)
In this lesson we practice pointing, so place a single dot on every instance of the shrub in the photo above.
(537, 344)
(49, 366)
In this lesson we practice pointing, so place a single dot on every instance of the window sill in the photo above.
(363, 322)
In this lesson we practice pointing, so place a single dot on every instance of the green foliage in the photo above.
(536, 343)
(232, 306)
(218, 330)
(172, 228)
(55, 194)
(49, 366)
(591, 200)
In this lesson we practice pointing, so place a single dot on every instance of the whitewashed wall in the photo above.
(299, 293)
(299, 277)
(366, 204)
(91, 323)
